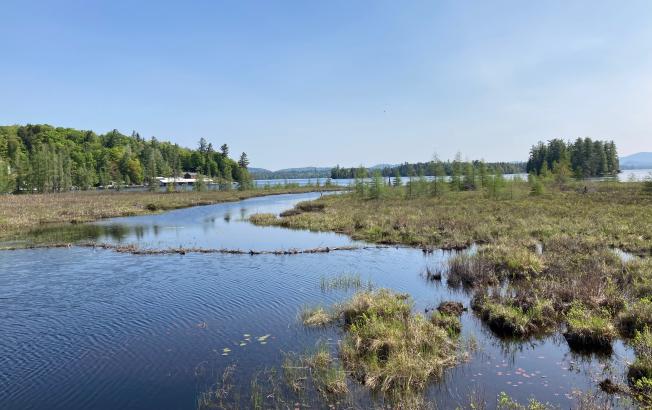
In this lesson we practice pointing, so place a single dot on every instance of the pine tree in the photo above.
(244, 161)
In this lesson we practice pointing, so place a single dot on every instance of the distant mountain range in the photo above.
(636, 161)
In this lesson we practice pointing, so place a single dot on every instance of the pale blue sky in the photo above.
(297, 83)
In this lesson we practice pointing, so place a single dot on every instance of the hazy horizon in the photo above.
(298, 84)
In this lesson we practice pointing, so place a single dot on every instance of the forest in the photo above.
(584, 157)
(43, 158)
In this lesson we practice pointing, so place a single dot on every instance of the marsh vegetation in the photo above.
(552, 254)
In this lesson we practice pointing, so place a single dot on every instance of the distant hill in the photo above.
(636, 161)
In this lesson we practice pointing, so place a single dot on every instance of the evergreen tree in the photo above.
(359, 182)
(397, 178)
(456, 173)
(377, 186)
(438, 184)
(244, 161)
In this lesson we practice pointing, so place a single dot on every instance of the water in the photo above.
(90, 328)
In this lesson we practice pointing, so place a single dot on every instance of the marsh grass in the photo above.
(316, 316)
(343, 282)
(509, 316)
(589, 329)
(388, 348)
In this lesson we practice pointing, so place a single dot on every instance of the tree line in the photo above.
(42, 158)
(428, 168)
(584, 157)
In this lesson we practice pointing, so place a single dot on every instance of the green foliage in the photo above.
(42, 158)
(585, 157)
(377, 186)
(536, 186)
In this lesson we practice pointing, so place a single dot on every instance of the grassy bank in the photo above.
(21, 213)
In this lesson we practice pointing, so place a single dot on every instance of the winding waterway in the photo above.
(93, 328)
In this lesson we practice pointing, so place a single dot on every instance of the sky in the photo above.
(319, 83)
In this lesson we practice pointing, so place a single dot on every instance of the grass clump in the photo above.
(639, 374)
(636, 318)
(470, 270)
(514, 261)
(589, 329)
(509, 316)
(448, 322)
(316, 317)
(388, 348)
(328, 375)
(345, 281)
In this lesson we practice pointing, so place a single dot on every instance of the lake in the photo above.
(94, 328)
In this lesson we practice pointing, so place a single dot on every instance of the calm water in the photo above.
(85, 328)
